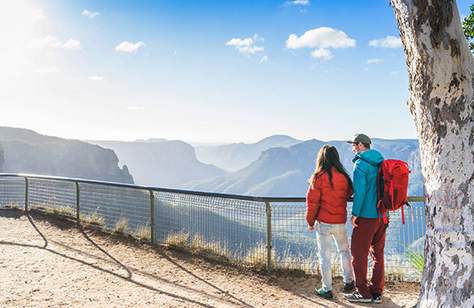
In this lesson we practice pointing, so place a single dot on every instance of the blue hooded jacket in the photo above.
(366, 166)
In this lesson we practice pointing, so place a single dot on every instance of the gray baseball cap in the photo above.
(360, 138)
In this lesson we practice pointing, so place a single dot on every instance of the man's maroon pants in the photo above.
(368, 236)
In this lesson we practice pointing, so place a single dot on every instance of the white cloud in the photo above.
(53, 42)
(387, 42)
(72, 44)
(129, 47)
(321, 39)
(322, 53)
(247, 45)
(374, 61)
(300, 2)
(90, 14)
(96, 78)
(263, 59)
(46, 70)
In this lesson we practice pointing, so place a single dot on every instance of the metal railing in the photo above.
(263, 231)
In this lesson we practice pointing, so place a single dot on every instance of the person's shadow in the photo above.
(302, 287)
(16, 214)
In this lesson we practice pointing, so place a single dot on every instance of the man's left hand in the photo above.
(354, 221)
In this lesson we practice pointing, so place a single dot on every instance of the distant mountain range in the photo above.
(275, 166)
(235, 156)
(284, 171)
(280, 169)
(26, 151)
(160, 162)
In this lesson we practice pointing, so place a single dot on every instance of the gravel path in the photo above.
(45, 262)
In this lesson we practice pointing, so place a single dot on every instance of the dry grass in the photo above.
(181, 280)
(292, 262)
(197, 242)
(60, 211)
(143, 233)
(93, 219)
(13, 206)
(394, 275)
(257, 257)
(210, 250)
(178, 240)
(253, 259)
(121, 226)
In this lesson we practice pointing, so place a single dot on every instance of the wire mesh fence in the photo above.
(12, 192)
(295, 246)
(256, 231)
(52, 195)
(231, 228)
(118, 209)
(404, 248)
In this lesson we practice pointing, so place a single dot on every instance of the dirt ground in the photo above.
(45, 262)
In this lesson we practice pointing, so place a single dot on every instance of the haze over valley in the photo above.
(278, 165)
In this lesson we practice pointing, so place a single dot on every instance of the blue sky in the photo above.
(207, 71)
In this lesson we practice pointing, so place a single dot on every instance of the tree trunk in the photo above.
(440, 68)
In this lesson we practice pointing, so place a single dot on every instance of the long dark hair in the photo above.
(328, 157)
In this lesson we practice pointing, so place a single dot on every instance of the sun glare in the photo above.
(18, 24)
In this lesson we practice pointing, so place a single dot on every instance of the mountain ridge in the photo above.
(284, 171)
(26, 151)
(235, 156)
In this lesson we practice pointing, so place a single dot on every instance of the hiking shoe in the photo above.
(356, 297)
(324, 294)
(376, 298)
(348, 287)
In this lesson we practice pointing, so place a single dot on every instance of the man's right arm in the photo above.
(360, 189)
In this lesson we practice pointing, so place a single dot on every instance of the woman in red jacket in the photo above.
(326, 211)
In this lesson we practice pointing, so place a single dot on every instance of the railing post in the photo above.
(152, 216)
(268, 210)
(27, 188)
(78, 208)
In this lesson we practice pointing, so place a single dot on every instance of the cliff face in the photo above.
(164, 163)
(29, 152)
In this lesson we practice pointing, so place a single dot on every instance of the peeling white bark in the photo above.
(441, 68)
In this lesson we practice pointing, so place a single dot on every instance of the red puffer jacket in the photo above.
(325, 203)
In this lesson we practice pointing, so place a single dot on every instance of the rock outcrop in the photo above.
(26, 151)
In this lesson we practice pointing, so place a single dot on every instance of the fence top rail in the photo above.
(171, 190)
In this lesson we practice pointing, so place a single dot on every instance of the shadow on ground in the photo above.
(108, 258)
(302, 287)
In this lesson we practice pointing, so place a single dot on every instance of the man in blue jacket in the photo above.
(368, 233)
